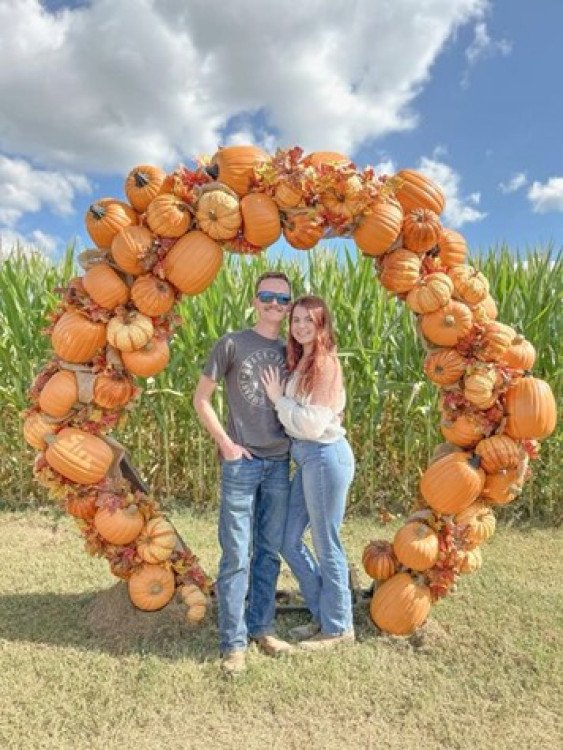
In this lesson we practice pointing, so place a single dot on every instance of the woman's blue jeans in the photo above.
(318, 499)
(252, 516)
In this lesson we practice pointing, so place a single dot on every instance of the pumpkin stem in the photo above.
(212, 170)
(97, 211)
(449, 320)
(474, 461)
(141, 179)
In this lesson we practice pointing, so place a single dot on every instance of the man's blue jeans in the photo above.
(254, 500)
(318, 498)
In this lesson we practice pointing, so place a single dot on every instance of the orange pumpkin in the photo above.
(498, 452)
(131, 248)
(35, 429)
(504, 486)
(168, 216)
(151, 587)
(79, 456)
(261, 219)
(379, 228)
(144, 182)
(76, 338)
(193, 262)
(530, 409)
(452, 483)
(112, 391)
(447, 325)
(130, 331)
(400, 270)
(400, 605)
(303, 230)
(452, 248)
(421, 230)
(430, 293)
(152, 296)
(106, 217)
(463, 431)
(59, 394)
(157, 540)
(416, 546)
(82, 506)
(288, 195)
(119, 526)
(105, 287)
(236, 166)
(470, 285)
(520, 355)
(319, 158)
(418, 191)
(444, 366)
(148, 361)
(378, 560)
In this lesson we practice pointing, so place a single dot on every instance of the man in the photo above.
(254, 475)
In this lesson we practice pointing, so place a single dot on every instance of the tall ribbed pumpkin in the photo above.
(76, 338)
(261, 219)
(400, 605)
(79, 456)
(452, 483)
(530, 409)
(59, 394)
(418, 191)
(379, 229)
(105, 286)
(236, 166)
(193, 262)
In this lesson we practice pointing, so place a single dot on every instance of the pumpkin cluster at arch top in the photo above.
(113, 325)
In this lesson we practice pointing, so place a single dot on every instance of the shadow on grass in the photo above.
(73, 620)
(63, 620)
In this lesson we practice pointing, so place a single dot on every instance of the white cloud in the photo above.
(517, 181)
(483, 47)
(547, 197)
(34, 242)
(107, 85)
(26, 189)
(459, 210)
(387, 166)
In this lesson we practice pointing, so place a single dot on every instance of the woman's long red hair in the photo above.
(324, 344)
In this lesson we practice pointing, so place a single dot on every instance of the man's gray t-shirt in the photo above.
(240, 358)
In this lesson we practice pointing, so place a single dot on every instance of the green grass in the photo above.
(486, 675)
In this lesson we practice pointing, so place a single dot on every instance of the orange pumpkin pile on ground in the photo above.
(113, 325)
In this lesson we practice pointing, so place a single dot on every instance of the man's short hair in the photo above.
(271, 275)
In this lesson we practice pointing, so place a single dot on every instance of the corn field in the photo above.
(392, 416)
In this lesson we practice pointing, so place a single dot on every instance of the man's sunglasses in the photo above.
(268, 297)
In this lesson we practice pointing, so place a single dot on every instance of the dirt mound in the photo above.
(113, 618)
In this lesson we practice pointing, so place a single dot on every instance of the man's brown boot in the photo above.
(322, 641)
(273, 646)
(233, 663)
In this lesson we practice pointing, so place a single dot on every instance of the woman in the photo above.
(311, 412)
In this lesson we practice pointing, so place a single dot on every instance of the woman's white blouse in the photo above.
(306, 421)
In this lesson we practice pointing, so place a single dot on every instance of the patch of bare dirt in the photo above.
(113, 618)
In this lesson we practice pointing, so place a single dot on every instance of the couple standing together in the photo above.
(282, 400)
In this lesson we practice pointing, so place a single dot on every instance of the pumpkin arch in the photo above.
(113, 324)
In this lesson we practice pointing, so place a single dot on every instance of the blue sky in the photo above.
(465, 90)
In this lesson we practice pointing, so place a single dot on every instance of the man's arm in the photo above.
(209, 419)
